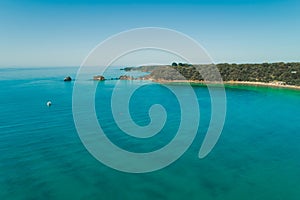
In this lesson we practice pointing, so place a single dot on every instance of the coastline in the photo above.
(229, 83)
(262, 84)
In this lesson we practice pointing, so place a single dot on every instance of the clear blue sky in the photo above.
(62, 32)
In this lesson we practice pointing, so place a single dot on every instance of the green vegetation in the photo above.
(287, 73)
(265, 72)
(141, 68)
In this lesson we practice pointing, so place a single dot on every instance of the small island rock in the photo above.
(125, 77)
(99, 78)
(68, 78)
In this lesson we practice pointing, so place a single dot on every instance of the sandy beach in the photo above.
(261, 84)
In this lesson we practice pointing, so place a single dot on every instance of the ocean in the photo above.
(42, 156)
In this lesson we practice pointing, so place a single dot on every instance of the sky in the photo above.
(63, 32)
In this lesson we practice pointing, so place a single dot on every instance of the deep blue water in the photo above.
(42, 157)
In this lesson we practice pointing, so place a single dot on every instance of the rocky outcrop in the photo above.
(125, 77)
(98, 78)
(68, 78)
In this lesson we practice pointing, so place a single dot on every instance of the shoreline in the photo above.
(229, 83)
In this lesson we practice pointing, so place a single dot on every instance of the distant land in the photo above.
(267, 74)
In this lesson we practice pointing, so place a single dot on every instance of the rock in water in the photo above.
(125, 77)
(49, 103)
(68, 78)
(98, 78)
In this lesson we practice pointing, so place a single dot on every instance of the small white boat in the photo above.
(49, 103)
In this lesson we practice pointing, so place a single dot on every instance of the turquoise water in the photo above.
(42, 157)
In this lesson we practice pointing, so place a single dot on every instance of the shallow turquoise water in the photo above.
(42, 157)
